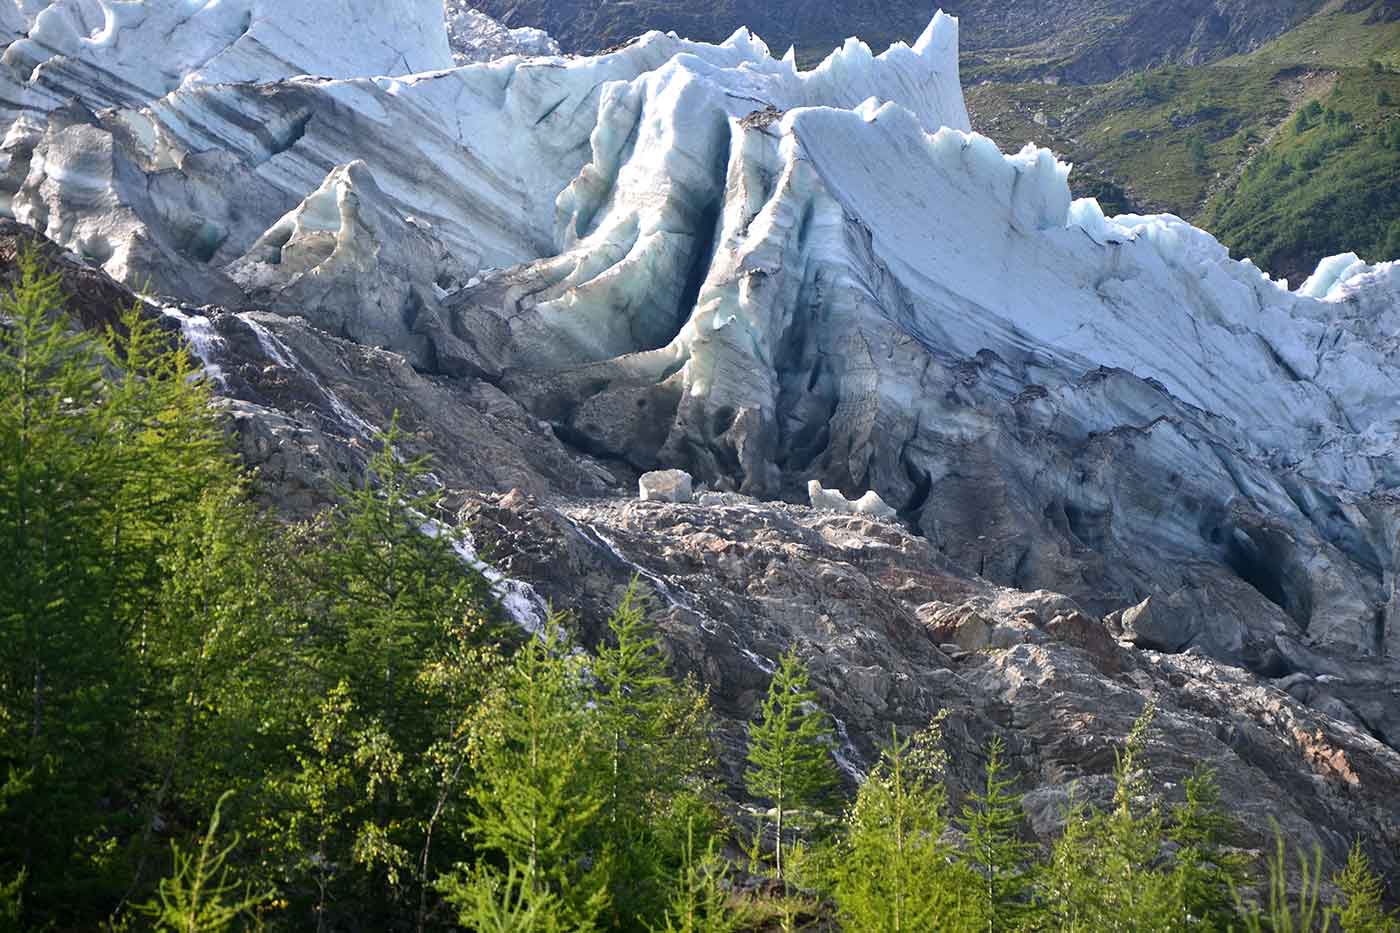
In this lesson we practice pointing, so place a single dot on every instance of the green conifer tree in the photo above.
(65, 675)
(1138, 895)
(1109, 871)
(539, 792)
(894, 871)
(1204, 872)
(699, 902)
(491, 901)
(658, 755)
(396, 635)
(1067, 885)
(991, 823)
(789, 754)
(172, 452)
(202, 895)
(215, 661)
(1362, 907)
(106, 441)
(11, 889)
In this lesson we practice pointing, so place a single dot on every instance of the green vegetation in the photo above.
(1334, 38)
(1163, 138)
(789, 762)
(211, 721)
(1362, 910)
(1330, 181)
(198, 894)
(892, 868)
(995, 852)
(538, 800)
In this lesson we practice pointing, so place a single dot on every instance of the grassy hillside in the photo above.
(1336, 37)
(1225, 146)
(1329, 181)
(1157, 140)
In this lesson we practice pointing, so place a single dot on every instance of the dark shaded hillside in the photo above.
(1074, 40)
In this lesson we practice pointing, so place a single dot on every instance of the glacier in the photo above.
(476, 37)
(701, 257)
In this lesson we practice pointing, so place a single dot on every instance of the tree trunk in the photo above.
(778, 847)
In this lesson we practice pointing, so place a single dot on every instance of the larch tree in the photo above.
(657, 755)
(894, 871)
(398, 636)
(789, 756)
(538, 795)
(991, 821)
(107, 442)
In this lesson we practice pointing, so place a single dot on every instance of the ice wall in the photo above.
(690, 255)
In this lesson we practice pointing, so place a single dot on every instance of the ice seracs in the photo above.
(476, 37)
(481, 153)
(691, 257)
(698, 256)
(347, 260)
(124, 53)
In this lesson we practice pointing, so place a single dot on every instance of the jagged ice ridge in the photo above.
(699, 256)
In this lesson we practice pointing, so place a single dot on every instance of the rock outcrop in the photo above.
(894, 631)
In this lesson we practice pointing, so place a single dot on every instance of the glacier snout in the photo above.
(694, 256)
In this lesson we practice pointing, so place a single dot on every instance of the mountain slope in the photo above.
(1332, 176)
(700, 256)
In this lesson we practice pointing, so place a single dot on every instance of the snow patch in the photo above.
(832, 500)
(1333, 274)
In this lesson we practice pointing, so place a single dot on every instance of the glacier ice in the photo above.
(476, 37)
(832, 500)
(348, 261)
(694, 255)
(132, 52)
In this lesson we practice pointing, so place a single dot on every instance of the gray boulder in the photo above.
(666, 486)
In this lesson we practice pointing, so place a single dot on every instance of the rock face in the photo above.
(870, 606)
(564, 273)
